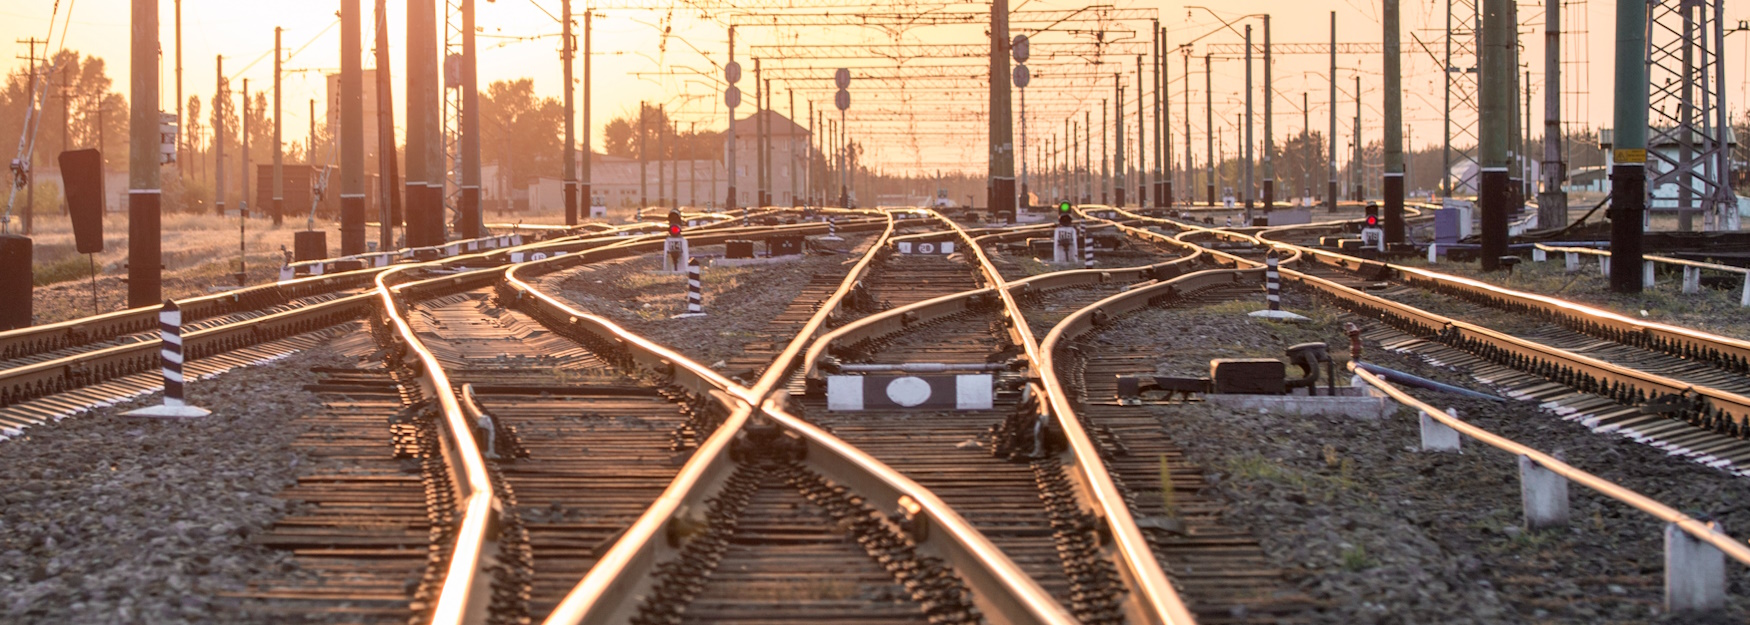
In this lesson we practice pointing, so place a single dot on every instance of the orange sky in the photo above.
(938, 129)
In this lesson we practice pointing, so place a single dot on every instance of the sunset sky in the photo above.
(931, 124)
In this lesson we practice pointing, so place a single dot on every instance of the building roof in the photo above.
(781, 125)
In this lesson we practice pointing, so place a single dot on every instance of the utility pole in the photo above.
(1088, 150)
(145, 257)
(730, 131)
(1209, 128)
(585, 190)
(1628, 173)
(1190, 156)
(570, 160)
(279, 174)
(1552, 201)
(388, 201)
(759, 137)
(432, 96)
(1357, 164)
(219, 100)
(352, 132)
(1105, 181)
(1496, 105)
(1331, 139)
(243, 202)
(1515, 145)
(767, 186)
(790, 145)
(1118, 132)
(1142, 128)
(1159, 182)
(30, 169)
(643, 162)
(181, 137)
(1246, 153)
(1269, 136)
(418, 230)
(1002, 139)
(1393, 183)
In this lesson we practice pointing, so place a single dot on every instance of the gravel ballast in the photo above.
(739, 302)
(1380, 532)
(112, 519)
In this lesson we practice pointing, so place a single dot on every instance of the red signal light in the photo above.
(1372, 220)
(674, 231)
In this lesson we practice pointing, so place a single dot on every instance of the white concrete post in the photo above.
(1744, 299)
(1573, 261)
(1433, 253)
(1647, 274)
(1063, 245)
(1604, 265)
(1691, 280)
(1544, 494)
(1538, 255)
(1437, 436)
(1695, 573)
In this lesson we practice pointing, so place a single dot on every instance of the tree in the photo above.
(95, 115)
(620, 137)
(522, 131)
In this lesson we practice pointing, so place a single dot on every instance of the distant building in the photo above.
(791, 152)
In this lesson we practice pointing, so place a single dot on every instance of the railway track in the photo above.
(1625, 379)
(595, 428)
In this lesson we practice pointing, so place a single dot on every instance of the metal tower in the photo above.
(1460, 147)
(452, 113)
(1688, 134)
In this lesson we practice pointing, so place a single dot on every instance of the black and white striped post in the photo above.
(1087, 246)
(1273, 292)
(832, 230)
(695, 292)
(170, 341)
(1272, 281)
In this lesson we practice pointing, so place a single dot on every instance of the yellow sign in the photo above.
(1630, 156)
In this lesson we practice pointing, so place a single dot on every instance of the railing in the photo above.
(1691, 268)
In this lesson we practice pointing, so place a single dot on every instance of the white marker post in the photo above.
(1273, 292)
(695, 292)
(170, 329)
(832, 230)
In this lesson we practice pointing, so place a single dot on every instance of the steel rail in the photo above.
(1160, 602)
(465, 593)
(32, 340)
(900, 318)
(1705, 531)
(1612, 380)
(34, 380)
(1684, 342)
(600, 597)
(1112, 307)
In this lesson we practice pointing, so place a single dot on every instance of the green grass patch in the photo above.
(64, 270)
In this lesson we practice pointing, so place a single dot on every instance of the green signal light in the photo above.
(1063, 208)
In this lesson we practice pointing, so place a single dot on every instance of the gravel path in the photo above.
(1382, 533)
(739, 301)
(71, 300)
(109, 519)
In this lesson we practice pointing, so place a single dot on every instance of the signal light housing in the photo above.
(674, 223)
